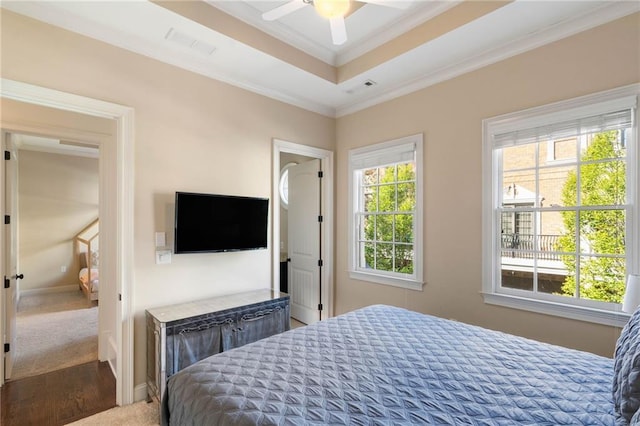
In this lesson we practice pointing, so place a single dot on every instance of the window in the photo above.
(560, 237)
(562, 150)
(385, 182)
(284, 185)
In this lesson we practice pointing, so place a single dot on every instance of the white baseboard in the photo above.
(112, 352)
(140, 392)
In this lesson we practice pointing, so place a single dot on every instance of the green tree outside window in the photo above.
(390, 201)
(600, 231)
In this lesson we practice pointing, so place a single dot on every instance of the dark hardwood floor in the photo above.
(59, 397)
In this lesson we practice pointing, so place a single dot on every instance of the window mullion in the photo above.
(375, 240)
(536, 205)
(581, 146)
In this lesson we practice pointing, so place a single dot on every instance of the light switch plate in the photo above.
(163, 257)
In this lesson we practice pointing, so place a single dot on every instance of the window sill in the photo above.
(391, 281)
(580, 313)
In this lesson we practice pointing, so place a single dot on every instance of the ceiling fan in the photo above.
(333, 10)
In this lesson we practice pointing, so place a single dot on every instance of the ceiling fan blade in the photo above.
(283, 10)
(389, 3)
(338, 30)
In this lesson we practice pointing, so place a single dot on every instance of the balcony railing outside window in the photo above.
(523, 246)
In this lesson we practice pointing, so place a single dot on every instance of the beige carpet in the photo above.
(55, 330)
(138, 414)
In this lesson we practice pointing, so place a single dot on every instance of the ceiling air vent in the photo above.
(186, 40)
(361, 86)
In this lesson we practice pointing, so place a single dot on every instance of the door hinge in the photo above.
(320, 174)
(7, 282)
(120, 297)
(7, 155)
(7, 219)
(320, 218)
(6, 347)
(319, 306)
(320, 262)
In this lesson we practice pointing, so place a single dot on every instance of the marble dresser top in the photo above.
(214, 304)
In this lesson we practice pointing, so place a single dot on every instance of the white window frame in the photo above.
(378, 155)
(590, 105)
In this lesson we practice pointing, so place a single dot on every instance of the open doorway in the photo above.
(303, 228)
(116, 209)
(57, 191)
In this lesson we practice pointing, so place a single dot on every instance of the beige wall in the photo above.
(192, 134)
(450, 116)
(57, 197)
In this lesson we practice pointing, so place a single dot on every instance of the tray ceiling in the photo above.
(389, 52)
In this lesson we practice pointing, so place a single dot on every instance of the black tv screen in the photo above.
(214, 223)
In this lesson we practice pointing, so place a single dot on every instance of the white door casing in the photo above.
(304, 241)
(11, 256)
(116, 218)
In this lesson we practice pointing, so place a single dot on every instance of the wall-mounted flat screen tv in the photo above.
(208, 223)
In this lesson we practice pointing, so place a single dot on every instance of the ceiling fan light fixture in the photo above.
(331, 8)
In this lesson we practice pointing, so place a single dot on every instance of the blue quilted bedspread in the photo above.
(388, 366)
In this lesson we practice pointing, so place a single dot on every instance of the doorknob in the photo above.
(18, 277)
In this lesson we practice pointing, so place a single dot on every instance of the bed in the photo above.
(87, 247)
(89, 275)
(383, 365)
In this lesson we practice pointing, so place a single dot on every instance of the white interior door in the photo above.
(11, 253)
(304, 241)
